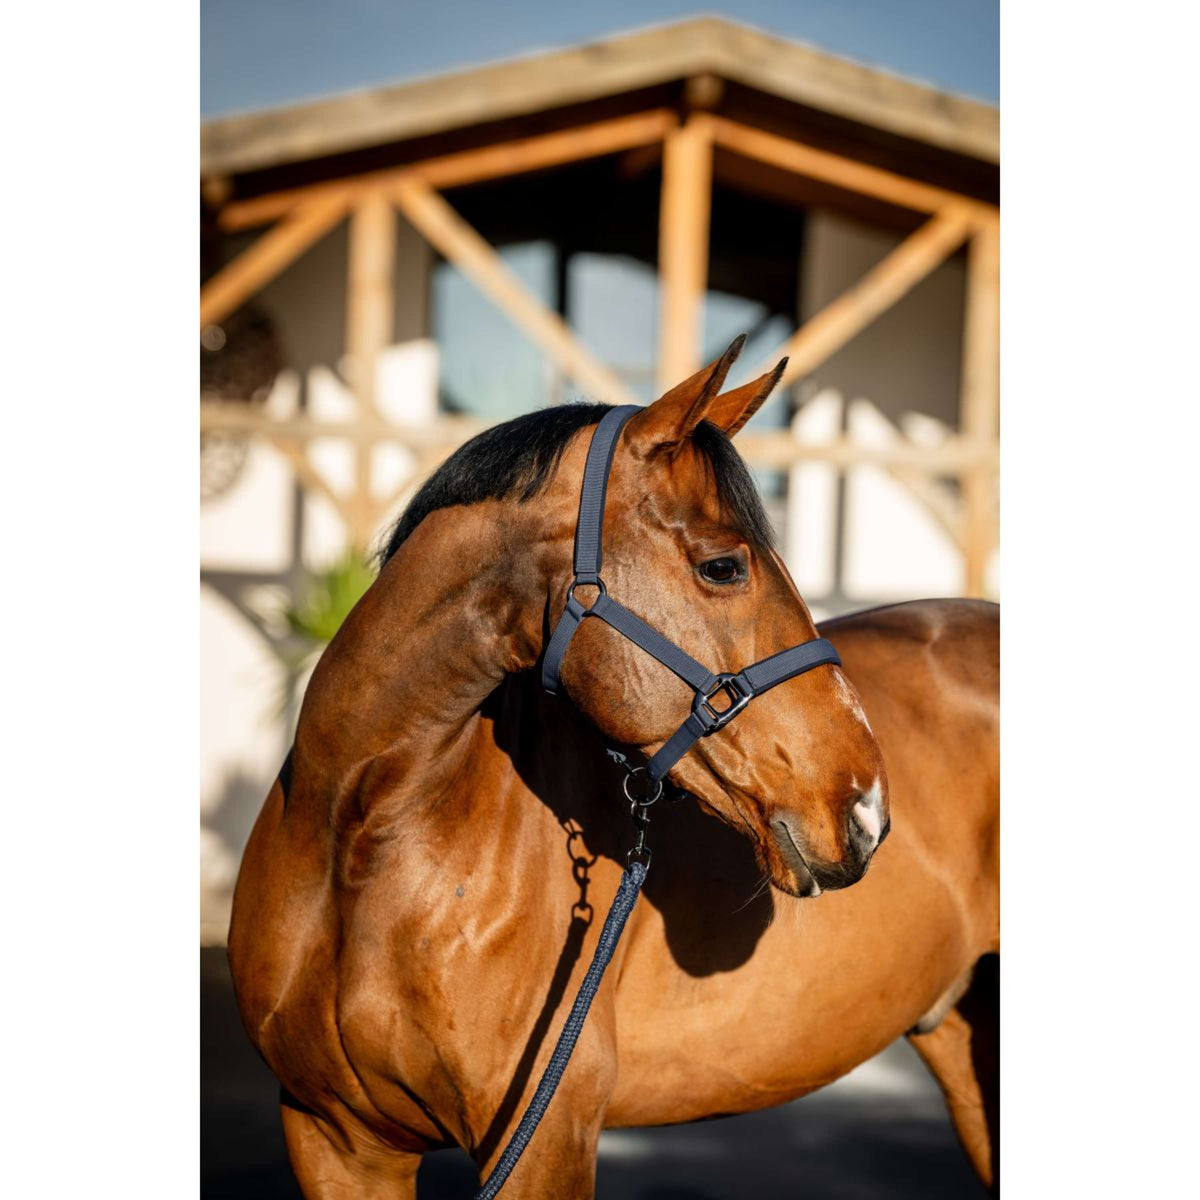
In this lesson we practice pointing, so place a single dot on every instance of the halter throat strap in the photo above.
(737, 690)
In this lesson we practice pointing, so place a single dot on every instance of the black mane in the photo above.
(518, 458)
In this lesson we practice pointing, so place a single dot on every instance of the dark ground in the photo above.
(880, 1132)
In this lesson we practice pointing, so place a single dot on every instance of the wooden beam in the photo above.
(427, 462)
(370, 292)
(919, 254)
(255, 267)
(470, 166)
(940, 502)
(547, 150)
(683, 231)
(834, 169)
(307, 473)
(231, 417)
(447, 232)
(216, 190)
(979, 416)
(780, 450)
(370, 319)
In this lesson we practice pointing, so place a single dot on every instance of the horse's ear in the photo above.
(673, 416)
(733, 409)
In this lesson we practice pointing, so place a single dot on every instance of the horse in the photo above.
(416, 905)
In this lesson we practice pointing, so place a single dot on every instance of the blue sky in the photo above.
(263, 53)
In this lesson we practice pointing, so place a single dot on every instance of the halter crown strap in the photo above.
(589, 536)
(589, 529)
(738, 690)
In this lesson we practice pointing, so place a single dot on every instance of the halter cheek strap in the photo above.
(738, 690)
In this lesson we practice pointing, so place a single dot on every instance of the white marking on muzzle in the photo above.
(868, 812)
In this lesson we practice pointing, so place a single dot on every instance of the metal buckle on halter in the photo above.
(639, 798)
(713, 718)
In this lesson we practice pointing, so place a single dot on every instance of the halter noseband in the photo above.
(739, 689)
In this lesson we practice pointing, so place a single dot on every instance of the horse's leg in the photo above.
(327, 1168)
(963, 1053)
(559, 1161)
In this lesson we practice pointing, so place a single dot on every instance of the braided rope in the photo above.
(614, 923)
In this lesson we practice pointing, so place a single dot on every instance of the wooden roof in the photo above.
(595, 71)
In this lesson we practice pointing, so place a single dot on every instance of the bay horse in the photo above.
(414, 910)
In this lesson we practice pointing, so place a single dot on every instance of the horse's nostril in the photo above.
(861, 843)
(864, 825)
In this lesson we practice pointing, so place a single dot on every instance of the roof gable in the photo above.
(788, 70)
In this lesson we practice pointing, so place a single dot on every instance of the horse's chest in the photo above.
(441, 1002)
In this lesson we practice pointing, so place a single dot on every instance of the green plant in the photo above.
(326, 600)
(313, 616)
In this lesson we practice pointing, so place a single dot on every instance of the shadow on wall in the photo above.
(224, 828)
(234, 814)
(882, 1131)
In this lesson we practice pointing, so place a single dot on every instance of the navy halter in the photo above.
(738, 689)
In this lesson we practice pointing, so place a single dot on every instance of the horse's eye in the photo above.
(722, 570)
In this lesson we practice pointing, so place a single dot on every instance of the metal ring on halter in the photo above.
(646, 800)
(596, 583)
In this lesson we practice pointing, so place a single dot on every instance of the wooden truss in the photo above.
(302, 216)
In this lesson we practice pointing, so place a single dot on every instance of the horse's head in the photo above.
(688, 548)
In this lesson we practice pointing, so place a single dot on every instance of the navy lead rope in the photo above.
(622, 906)
(705, 719)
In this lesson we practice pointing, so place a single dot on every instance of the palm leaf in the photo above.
(326, 600)
(313, 615)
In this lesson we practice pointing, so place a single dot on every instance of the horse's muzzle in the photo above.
(814, 875)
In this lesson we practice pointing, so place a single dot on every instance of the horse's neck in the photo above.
(558, 755)
(393, 712)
